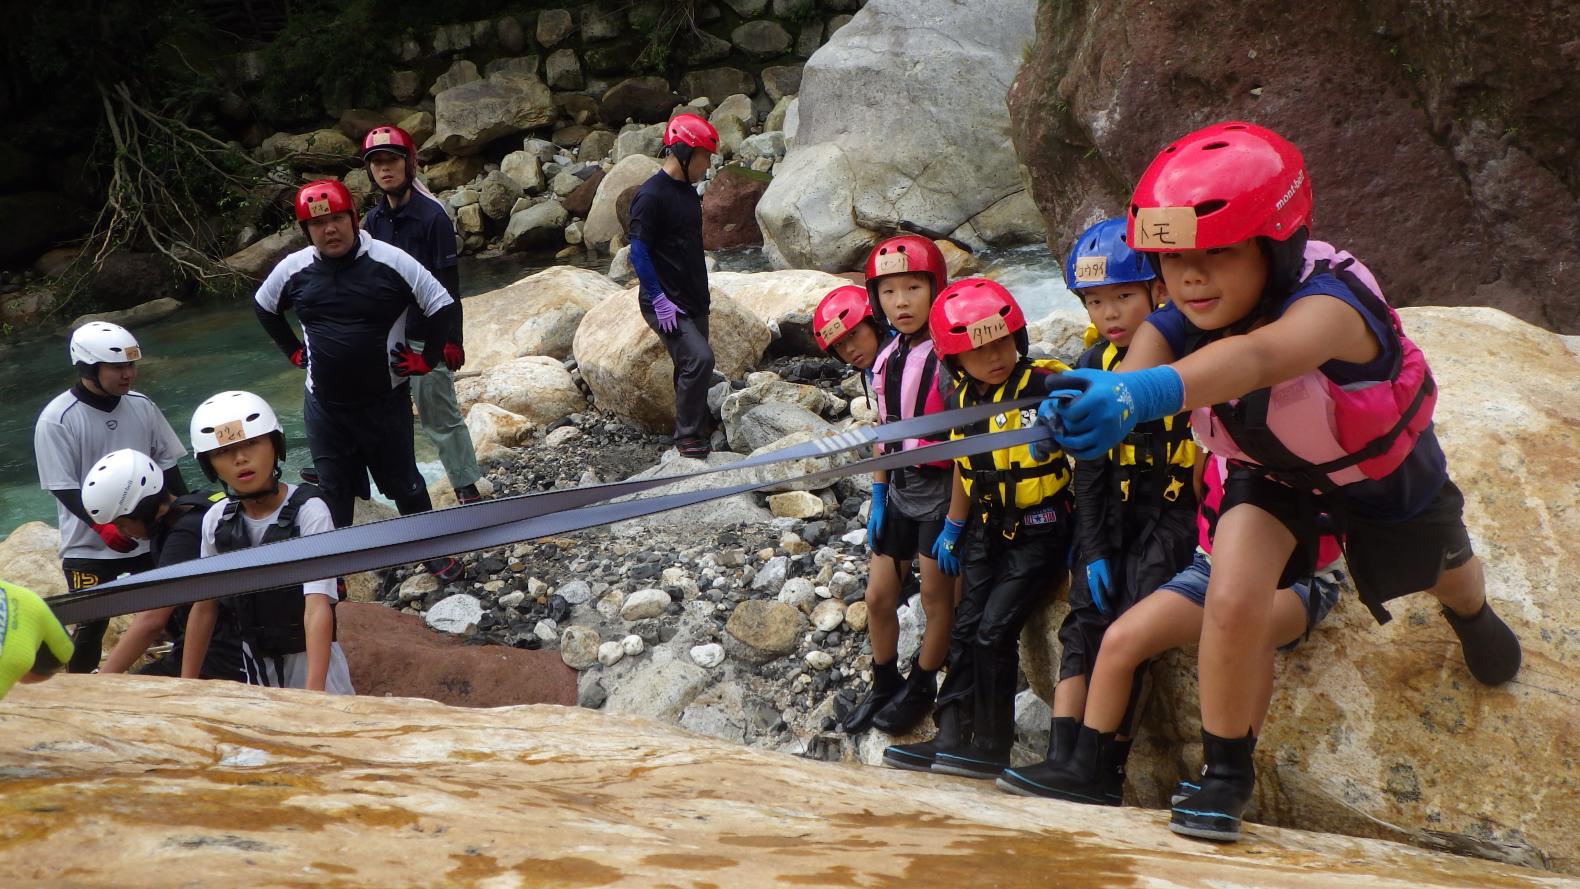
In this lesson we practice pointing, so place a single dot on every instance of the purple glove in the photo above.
(666, 312)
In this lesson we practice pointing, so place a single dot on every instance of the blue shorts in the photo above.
(1192, 584)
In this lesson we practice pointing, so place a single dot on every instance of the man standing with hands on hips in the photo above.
(666, 252)
(353, 294)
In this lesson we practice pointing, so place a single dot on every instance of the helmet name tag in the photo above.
(379, 137)
(1163, 228)
(1089, 269)
(133, 353)
(987, 330)
(318, 208)
(892, 264)
(833, 330)
(230, 433)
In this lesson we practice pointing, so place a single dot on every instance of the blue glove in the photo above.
(1097, 420)
(1098, 584)
(666, 312)
(944, 547)
(880, 499)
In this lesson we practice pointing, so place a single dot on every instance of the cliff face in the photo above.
(116, 781)
(1439, 136)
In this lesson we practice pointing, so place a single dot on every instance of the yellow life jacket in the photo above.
(1167, 441)
(1009, 476)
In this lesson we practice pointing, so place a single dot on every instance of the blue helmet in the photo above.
(1101, 256)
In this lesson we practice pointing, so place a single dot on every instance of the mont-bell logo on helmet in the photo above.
(1293, 187)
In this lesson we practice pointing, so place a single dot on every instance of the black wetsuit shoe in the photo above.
(446, 570)
(886, 684)
(1492, 651)
(693, 448)
(1227, 783)
(1093, 774)
(1184, 789)
(952, 730)
(1061, 743)
(908, 708)
(467, 494)
(970, 762)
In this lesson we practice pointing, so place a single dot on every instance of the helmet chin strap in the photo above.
(258, 495)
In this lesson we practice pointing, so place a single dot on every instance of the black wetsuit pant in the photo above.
(83, 574)
(350, 441)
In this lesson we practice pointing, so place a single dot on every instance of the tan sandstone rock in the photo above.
(537, 388)
(536, 315)
(291, 787)
(630, 373)
(1380, 730)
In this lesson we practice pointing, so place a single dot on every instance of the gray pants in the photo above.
(434, 393)
(693, 359)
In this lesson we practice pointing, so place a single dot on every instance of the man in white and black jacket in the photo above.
(353, 295)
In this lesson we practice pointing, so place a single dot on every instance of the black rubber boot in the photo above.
(987, 756)
(1094, 773)
(954, 729)
(1184, 789)
(1227, 783)
(1061, 743)
(886, 683)
(1492, 651)
(908, 708)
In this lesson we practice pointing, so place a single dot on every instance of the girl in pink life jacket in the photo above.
(905, 518)
(1095, 772)
(1301, 375)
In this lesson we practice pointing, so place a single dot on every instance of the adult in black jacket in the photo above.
(353, 295)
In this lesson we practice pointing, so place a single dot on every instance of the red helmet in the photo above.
(906, 253)
(691, 131)
(392, 139)
(973, 312)
(838, 314)
(322, 197)
(1219, 186)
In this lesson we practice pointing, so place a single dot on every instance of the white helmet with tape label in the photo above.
(100, 342)
(118, 482)
(230, 418)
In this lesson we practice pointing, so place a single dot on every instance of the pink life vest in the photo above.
(1311, 432)
(914, 394)
(1328, 549)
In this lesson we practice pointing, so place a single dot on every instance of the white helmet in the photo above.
(232, 417)
(117, 483)
(101, 342)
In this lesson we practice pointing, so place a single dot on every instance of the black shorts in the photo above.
(1387, 560)
(82, 574)
(903, 537)
(1392, 559)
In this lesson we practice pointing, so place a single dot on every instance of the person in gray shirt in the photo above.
(97, 415)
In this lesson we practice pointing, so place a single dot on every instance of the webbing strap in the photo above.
(495, 523)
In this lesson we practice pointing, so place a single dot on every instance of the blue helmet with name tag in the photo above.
(1101, 256)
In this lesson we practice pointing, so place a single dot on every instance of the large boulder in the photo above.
(712, 515)
(536, 315)
(761, 40)
(137, 316)
(1373, 726)
(535, 387)
(784, 300)
(394, 655)
(603, 221)
(716, 83)
(328, 148)
(31, 558)
(641, 99)
(729, 209)
(934, 152)
(628, 369)
(291, 787)
(499, 194)
(452, 172)
(538, 226)
(1434, 163)
(469, 116)
(579, 202)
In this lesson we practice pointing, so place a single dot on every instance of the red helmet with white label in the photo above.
(973, 312)
(394, 140)
(901, 254)
(1219, 186)
(324, 197)
(691, 131)
(838, 314)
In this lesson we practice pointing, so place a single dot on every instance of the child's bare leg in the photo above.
(938, 603)
(1462, 590)
(1235, 662)
(1157, 623)
(1289, 624)
(883, 602)
(1069, 698)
